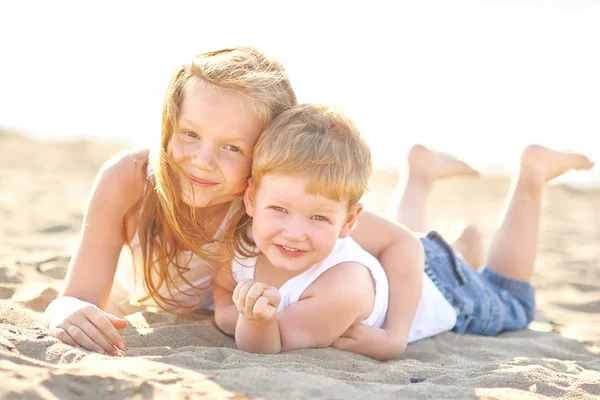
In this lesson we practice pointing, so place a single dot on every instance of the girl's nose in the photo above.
(204, 158)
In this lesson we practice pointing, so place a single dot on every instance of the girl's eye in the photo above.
(320, 218)
(190, 134)
(234, 149)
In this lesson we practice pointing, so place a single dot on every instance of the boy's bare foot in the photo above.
(539, 165)
(425, 164)
(469, 243)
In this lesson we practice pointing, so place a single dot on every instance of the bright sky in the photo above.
(476, 78)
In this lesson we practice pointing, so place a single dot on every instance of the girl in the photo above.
(175, 205)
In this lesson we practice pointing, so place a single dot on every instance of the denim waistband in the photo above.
(458, 272)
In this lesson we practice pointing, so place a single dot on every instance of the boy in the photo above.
(308, 281)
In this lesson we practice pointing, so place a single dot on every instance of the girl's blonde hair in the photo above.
(167, 226)
(315, 141)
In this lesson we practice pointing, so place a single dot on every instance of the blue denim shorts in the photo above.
(485, 302)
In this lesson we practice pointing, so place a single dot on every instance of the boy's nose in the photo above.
(295, 231)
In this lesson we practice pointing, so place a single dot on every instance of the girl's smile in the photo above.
(206, 183)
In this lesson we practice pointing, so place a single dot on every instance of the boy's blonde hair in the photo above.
(319, 142)
(168, 226)
(315, 141)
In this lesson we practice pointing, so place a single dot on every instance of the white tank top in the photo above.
(130, 275)
(434, 314)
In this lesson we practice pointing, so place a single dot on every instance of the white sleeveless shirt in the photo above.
(434, 314)
(130, 274)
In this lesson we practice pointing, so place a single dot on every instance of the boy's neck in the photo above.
(266, 272)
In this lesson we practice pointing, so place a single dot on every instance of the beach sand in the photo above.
(44, 188)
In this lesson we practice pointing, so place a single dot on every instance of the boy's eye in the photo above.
(278, 209)
(234, 149)
(320, 218)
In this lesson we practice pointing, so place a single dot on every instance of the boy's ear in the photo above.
(351, 221)
(249, 198)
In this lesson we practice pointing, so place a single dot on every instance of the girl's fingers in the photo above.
(63, 336)
(82, 339)
(117, 322)
(105, 334)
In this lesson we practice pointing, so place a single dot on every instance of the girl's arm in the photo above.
(76, 316)
(402, 256)
(226, 313)
(341, 296)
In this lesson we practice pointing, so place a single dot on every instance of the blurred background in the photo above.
(479, 79)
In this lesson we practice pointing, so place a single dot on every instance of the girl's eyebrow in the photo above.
(185, 121)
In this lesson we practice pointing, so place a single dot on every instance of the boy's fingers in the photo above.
(273, 296)
(254, 293)
(240, 291)
(263, 310)
(261, 305)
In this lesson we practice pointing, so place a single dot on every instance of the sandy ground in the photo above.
(43, 191)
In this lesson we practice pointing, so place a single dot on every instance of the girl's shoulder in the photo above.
(122, 178)
(127, 169)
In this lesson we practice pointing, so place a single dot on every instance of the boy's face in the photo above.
(293, 229)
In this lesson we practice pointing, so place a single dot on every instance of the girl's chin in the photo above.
(201, 202)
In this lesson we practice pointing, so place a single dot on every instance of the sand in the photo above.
(43, 192)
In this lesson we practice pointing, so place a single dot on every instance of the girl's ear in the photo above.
(249, 198)
(351, 221)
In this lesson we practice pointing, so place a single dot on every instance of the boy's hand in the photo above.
(256, 301)
(380, 344)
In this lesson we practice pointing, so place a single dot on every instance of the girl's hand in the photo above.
(80, 323)
(380, 344)
(256, 301)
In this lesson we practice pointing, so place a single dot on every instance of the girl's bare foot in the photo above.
(427, 165)
(539, 165)
(469, 243)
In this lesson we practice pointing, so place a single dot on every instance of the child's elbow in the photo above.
(225, 323)
(258, 348)
(395, 350)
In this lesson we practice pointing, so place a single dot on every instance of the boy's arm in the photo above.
(341, 296)
(401, 254)
(226, 313)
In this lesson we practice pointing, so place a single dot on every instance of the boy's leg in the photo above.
(469, 243)
(513, 249)
(424, 168)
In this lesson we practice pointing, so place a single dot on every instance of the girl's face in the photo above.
(213, 143)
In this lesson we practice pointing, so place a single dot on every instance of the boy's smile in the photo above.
(294, 230)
